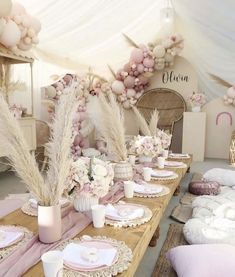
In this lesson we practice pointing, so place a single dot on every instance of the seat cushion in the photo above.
(206, 260)
(222, 176)
(204, 188)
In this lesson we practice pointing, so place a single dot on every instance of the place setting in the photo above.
(97, 256)
(150, 190)
(11, 238)
(31, 206)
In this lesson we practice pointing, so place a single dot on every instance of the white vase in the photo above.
(196, 109)
(49, 223)
(83, 203)
(145, 159)
(123, 171)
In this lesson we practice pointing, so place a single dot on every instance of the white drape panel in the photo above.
(77, 34)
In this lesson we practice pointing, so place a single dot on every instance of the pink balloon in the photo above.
(131, 73)
(26, 21)
(136, 73)
(59, 86)
(129, 82)
(148, 62)
(127, 67)
(82, 143)
(137, 55)
(143, 47)
(140, 68)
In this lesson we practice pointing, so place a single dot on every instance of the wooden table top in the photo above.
(137, 238)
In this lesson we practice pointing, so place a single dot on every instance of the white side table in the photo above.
(194, 134)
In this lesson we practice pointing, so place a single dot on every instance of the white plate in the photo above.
(147, 189)
(34, 204)
(162, 173)
(124, 212)
(173, 164)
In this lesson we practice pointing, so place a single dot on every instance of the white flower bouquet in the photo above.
(146, 146)
(165, 138)
(90, 177)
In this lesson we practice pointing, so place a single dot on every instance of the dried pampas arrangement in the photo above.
(47, 190)
(108, 119)
(145, 128)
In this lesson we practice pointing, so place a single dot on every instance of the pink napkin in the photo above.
(30, 253)
(115, 194)
(9, 205)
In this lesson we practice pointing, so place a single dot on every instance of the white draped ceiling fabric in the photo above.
(80, 34)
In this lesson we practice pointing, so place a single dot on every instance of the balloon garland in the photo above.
(18, 30)
(132, 80)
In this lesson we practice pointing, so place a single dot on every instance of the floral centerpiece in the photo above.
(197, 100)
(89, 180)
(165, 138)
(146, 147)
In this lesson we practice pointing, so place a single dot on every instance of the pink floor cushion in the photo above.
(203, 260)
(204, 188)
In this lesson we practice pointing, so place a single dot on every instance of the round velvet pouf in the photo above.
(204, 188)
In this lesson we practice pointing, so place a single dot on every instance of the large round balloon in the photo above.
(118, 87)
(10, 35)
(231, 92)
(137, 55)
(5, 7)
(35, 23)
(129, 82)
(17, 9)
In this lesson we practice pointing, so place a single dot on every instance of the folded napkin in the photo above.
(74, 254)
(147, 189)
(9, 205)
(123, 214)
(7, 237)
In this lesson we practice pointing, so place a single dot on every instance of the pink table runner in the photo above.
(30, 254)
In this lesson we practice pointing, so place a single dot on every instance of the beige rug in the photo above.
(174, 238)
(187, 198)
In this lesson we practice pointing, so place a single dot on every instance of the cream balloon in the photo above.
(159, 66)
(22, 46)
(159, 51)
(126, 104)
(5, 7)
(10, 35)
(35, 40)
(50, 91)
(231, 92)
(168, 58)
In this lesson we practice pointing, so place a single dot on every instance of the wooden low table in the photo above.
(137, 238)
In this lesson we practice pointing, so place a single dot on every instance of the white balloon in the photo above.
(159, 66)
(118, 87)
(159, 51)
(11, 34)
(50, 91)
(130, 93)
(5, 7)
(17, 9)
